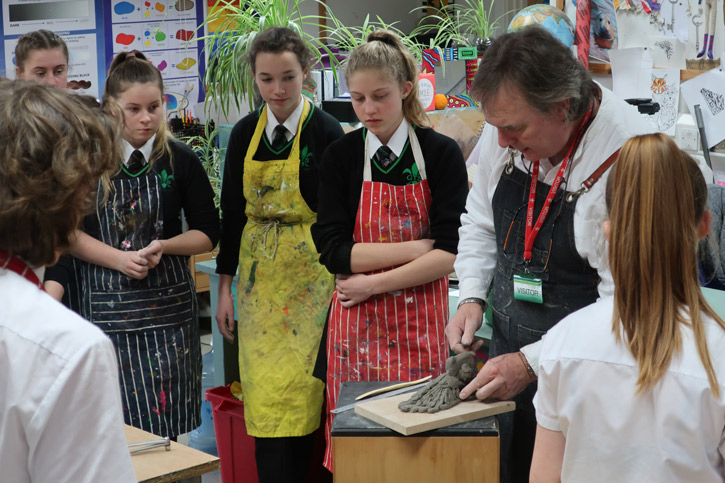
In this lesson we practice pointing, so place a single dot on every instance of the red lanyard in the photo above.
(532, 231)
(18, 266)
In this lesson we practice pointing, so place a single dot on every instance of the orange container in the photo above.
(235, 446)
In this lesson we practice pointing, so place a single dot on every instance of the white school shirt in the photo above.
(587, 383)
(60, 403)
(146, 150)
(615, 122)
(292, 122)
(396, 143)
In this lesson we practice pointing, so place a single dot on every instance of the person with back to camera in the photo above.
(391, 196)
(269, 202)
(42, 56)
(60, 409)
(549, 130)
(631, 387)
(134, 279)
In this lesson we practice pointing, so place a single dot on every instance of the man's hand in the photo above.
(502, 378)
(461, 328)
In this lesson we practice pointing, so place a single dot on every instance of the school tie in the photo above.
(136, 162)
(384, 157)
(279, 137)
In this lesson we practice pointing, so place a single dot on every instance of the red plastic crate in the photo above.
(235, 446)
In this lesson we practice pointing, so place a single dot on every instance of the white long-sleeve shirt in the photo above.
(60, 403)
(615, 122)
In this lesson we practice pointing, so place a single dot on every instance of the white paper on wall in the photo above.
(668, 53)
(632, 72)
(675, 18)
(666, 92)
(708, 90)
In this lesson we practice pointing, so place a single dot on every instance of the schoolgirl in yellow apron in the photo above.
(283, 295)
(268, 201)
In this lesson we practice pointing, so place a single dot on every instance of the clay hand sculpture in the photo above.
(442, 392)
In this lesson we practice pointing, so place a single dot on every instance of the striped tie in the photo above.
(136, 162)
(279, 138)
(384, 157)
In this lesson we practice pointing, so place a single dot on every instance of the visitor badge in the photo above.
(528, 289)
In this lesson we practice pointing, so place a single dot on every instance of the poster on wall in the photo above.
(78, 22)
(603, 29)
(666, 92)
(165, 31)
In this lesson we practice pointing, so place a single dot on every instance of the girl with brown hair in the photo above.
(629, 387)
(391, 195)
(42, 56)
(269, 202)
(133, 280)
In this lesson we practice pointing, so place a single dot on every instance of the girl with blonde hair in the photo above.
(391, 195)
(629, 387)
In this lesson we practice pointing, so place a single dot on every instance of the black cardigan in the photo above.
(341, 175)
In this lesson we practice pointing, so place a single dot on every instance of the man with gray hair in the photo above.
(531, 242)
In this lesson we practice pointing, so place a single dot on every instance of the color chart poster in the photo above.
(165, 31)
(78, 22)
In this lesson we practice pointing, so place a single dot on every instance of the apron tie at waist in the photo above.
(274, 223)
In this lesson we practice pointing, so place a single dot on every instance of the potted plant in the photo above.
(468, 23)
(228, 74)
(347, 38)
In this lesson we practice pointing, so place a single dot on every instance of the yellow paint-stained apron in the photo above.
(284, 294)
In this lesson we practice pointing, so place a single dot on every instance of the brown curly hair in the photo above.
(55, 147)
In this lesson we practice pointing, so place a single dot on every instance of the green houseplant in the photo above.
(347, 38)
(468, 23)
(228, 78)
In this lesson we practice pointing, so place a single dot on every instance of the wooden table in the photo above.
(365, 451)
(159, 466)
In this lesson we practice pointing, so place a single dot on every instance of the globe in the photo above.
(551, 18)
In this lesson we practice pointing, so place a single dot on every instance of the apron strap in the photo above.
(259, 132)
(594, 177)
(414, 146)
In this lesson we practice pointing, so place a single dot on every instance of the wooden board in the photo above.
(386, 412)
(158, 465)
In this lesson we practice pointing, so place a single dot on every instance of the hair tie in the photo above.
(130, 54)
(385, 40)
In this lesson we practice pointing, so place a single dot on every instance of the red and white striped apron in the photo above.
(396, 336)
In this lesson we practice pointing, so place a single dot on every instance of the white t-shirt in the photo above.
(587, 384)
(60, 403)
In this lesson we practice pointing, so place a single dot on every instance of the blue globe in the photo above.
(551, 18)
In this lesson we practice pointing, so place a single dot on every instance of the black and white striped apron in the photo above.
(153, 322)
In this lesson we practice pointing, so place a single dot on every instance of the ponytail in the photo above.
(129, 68)
(385, 52)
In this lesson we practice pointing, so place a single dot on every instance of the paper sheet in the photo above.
(668, 53)
(632, 72)
(666, 92)
(708, 90)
